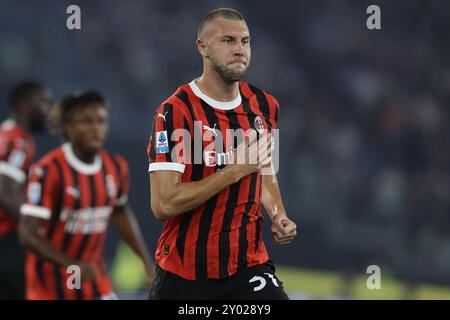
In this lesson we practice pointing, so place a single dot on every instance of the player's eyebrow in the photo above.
(227, 36)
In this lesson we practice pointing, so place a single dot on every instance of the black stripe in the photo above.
(59, 281)
(40, 270)
(58, 200)
(95, 289)
(197, 173)
(224, 238)
(183, 96)
(105, 174)
(277, 111)
(243, 243)
(79, 293)
(53, 225)
(258, 223)
(202, 239)
(42, 184)
(151, 141)
(68, 236)
(169, 127)
(40, 262)
(76, 206)
(207, 217)
(87, 236)
(212, 119)
(119, 176)
(262, 102)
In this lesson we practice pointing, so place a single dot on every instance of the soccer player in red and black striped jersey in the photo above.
(29, 102)
(73, 193)
(211, 246)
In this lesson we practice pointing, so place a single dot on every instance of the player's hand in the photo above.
(251, 155)
(283, 229)
(88, 271)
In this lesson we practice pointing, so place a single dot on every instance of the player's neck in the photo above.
(216, 88)
(86, 157)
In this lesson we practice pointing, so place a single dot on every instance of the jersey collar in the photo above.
(77, 164)
(229, 105)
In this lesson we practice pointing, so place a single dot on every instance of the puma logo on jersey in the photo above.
(163, 115)
(213, 129)
(73, 192)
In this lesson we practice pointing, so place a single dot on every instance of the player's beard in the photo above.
(227, 74)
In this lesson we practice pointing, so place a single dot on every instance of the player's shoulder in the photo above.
(179, 98)
(177, 103)
(50, 158)
(117, 159)
(252, 91)
(10, 130)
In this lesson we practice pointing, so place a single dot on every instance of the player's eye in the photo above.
(227, 40)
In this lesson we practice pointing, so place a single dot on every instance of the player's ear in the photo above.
(201, 46)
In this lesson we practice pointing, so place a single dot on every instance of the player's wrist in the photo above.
(279, 214)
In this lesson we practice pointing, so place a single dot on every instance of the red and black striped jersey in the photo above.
(16, 155)
(76, 200)
(223, 234)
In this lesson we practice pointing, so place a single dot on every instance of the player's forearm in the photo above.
(186, 196)
(11, 206)
(126, 225)
(43, 248)
(10, 197)
(271, 196)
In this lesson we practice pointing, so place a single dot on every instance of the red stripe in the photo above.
(192, 234)
(50, 281)
(101, 200)
(191, 238)
(110, 169)
(85, 202)
(218, 215)
(68, 201)
(272, 107)
(251, 226)
(240, 207)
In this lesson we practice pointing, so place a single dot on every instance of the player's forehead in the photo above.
(219, 27)
(91, 109)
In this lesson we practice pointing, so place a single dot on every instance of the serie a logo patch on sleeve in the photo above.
(162, 143)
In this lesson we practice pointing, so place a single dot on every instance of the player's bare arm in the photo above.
(171, 197)
(283, 229)
(10, 196)
(126, 225)
(31, 237)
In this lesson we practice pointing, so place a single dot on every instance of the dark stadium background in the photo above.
(364, 114)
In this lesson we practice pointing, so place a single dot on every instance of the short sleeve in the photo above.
(274, 110)
(167, 147)
(41, 192)
(15, 160)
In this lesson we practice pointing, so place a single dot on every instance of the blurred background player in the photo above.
(211, 246)
(29, 102)
(74, 191)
